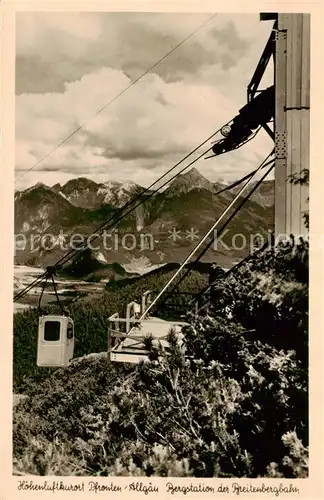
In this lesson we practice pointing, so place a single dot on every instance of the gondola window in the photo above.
(52, 331)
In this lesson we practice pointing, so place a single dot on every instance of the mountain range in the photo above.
(187, 206)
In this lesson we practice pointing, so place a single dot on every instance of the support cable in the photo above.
(237, 183)
(230, 271)
(248, 257)
(210, 231)
(139, 196)
(122, 215)
(130, 204)
(40, 278)
(223, 227)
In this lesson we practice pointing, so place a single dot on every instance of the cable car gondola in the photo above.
(55, 346)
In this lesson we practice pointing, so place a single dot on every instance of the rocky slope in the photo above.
(86, 193)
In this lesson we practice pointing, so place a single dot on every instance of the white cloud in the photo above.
(49, 33)
(55, 48)
(154, 123)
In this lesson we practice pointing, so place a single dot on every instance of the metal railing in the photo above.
(121, 328)
(114, 332)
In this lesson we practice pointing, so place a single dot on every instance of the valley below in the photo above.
(68, 289)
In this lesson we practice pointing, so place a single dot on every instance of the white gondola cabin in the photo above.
(55, 341)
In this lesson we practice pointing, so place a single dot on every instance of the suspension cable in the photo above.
(40, 278)
(210, 231)
(122, 216)
(239, 264)
(112, 220)
(244, 200)
(231, 271)
(237, 183)
(139, 196)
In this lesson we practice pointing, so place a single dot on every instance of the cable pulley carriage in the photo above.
(55, 346)
(255, 114)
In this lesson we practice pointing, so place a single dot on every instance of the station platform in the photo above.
(132, 348)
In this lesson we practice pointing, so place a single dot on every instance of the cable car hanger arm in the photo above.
(49, 274)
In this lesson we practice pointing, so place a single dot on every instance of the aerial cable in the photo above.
(31, 285)
(248, 176)
(210, 231)
(202, 253)
(112, 220)
(237, 183)
(139, 196)
(238, 208)
(237, 266)
(243, 201)
(248, 257)
(81, 248)
(134, 82)
(129, 203)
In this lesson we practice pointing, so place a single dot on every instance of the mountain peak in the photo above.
(117, 193)
(78, 183)
(39, 195)
(188, 181)
(81, 192)
(194, 173)
(38, 187)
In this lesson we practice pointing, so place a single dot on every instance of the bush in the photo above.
(270, 296)
(224, 416)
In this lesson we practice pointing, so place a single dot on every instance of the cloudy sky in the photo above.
(69, 65)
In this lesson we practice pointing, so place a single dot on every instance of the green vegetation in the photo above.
(228, 398)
